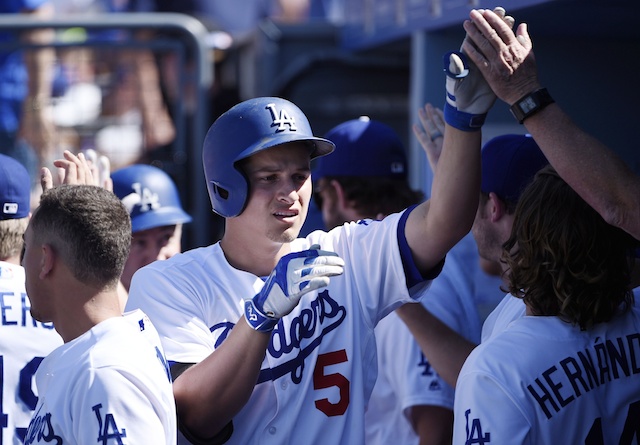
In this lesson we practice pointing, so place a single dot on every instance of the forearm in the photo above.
(445, 349)
(210, 393)
(432, 424)
(594, 171)
(39, 64)
(456, 186)
(40, 61)
(36, 125)
(438, 224)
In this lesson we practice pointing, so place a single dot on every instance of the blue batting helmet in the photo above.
(150, 196)
(246, 129)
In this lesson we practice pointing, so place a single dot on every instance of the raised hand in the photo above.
(504, 58)
(79, 169)
(430, 132)
(295, 274)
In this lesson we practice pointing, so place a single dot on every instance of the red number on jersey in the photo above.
(322, 381)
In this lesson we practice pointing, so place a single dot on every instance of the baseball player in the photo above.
(509, 163)
(109, 381)
(567, 371)
(366, 177)
(24, 342)
(157, 216)
(292, 359)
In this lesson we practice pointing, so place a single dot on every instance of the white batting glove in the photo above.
(469, 96)
(295, 274)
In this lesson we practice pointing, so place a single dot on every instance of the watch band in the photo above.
(530, 104)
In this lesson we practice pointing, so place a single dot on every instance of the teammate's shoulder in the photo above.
(192, 258)
(11, 272)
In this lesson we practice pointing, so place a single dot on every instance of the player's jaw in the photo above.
(288, 221)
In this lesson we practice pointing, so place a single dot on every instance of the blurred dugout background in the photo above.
(144, 88)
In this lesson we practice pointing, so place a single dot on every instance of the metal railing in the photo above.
(178, 32)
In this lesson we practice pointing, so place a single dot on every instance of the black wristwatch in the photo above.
(530, 104)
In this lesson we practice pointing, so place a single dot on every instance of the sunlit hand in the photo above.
(504, 58)
(77, 169)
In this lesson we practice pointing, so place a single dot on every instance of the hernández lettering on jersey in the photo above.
(299, 338)
(560, 384)
(15, 310)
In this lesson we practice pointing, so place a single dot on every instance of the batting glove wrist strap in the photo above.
(256, 319)
(461, 120)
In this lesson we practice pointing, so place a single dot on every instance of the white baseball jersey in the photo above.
(320, 366)
(111, 385)
(542, 381)
(24, 342)
(457, 296)
(509, 309)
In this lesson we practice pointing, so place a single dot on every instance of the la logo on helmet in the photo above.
(282, 119)
(142, 196)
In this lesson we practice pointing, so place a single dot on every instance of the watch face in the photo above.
(527, 104)
(531, 104)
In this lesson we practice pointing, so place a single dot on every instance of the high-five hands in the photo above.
(295, 274)
(86, 169)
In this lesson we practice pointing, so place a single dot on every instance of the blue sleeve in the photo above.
(411, 271)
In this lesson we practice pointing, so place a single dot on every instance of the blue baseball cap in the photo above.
(509, 163)
(15, 189)
(364, 147)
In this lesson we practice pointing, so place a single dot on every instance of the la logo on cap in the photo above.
(10, 208)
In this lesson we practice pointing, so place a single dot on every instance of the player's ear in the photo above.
(497, 207)
(340, 196)
(47, 260)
